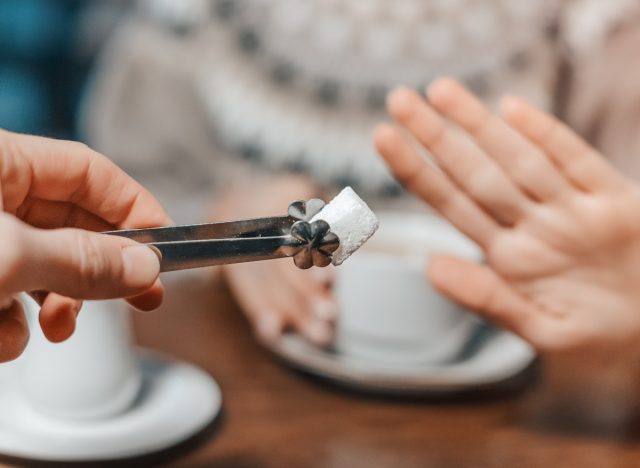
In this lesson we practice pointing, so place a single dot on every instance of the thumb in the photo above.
(80, 264)
(482, 290)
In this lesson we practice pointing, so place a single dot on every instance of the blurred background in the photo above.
(47, 49)
(233, 108)
(296, 86)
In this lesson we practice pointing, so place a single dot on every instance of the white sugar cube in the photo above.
(351, 220)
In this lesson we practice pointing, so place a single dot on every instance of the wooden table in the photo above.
(275, 417)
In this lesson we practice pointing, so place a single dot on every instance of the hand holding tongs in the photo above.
(201, 245)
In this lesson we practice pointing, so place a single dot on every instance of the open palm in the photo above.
(560, 228)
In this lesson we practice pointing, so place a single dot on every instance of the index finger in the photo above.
(67, 171)
(525, 164)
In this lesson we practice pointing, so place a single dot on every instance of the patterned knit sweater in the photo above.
(298, 85)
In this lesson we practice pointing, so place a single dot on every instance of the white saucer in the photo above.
(177, 401)
(491, 357)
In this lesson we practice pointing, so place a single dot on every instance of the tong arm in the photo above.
(259, 227)
(183, 255)
(201, 245)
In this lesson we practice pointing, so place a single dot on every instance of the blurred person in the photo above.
(280, 98)
(52, 193)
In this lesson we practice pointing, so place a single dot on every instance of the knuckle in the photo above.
(14, 251)
(489, 301)
(551, 134)
(410, 169)
(82, 153)
(7, 143)
(447, 204)
(479, 183)
(412, 180)
(436, 136)
(525, 167)
(91, 263)
(80, 147)
(580, 169)
(481, 124)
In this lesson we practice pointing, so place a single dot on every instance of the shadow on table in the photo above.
(584, 396)
(513, 387)
(582, 415)
(543, 406)
(578, 423)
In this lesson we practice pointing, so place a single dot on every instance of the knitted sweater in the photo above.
(200, 89)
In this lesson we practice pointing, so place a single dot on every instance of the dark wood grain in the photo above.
(275, 417)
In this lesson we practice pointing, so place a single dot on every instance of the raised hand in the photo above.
(559, 226)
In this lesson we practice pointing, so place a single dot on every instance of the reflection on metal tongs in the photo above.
(200, 245)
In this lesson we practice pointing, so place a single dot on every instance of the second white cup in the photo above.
(389, 312)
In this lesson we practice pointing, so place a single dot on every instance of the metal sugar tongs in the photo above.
(200, 245)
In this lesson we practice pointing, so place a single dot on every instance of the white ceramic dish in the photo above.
(492, 356)
(177, 401)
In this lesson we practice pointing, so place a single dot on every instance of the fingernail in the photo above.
(319, 332)
(268, 327)
(324, 310)
(141, 266)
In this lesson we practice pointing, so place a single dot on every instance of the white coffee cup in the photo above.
(389, 312)
(94, 374)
